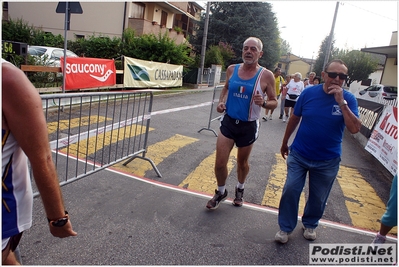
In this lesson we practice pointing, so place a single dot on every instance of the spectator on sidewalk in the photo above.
(322, 113)
(25, 136)
(241, 100)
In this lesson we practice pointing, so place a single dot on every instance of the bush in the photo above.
(213, 56)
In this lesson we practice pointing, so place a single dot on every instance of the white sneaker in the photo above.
(270, 117)
(309, 233)
(281, 237)
(285, 118)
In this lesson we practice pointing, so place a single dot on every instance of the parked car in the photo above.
(49, 56)
(379, 92)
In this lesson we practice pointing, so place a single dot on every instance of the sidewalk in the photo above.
(125, 221)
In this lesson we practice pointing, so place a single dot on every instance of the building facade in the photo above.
(291, 63)
(110, 18)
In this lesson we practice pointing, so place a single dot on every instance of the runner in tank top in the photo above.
(25, 136)
(241, 99)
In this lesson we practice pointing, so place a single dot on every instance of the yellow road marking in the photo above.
(364, 206)
(203, 178)
(66, 124)
(91, 145)
(157, 153)
(275, 186)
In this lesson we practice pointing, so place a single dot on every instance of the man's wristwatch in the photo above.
(343, 103)
(60, 222)
(264, 104)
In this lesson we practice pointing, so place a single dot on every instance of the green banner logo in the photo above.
(139, 73)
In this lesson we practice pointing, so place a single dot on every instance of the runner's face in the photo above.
(251, 52)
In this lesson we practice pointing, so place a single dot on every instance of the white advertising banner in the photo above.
(148, 74)
(383, 142)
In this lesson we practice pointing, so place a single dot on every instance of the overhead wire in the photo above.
(372, 12)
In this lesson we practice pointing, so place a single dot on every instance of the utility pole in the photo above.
(68, 8)
(204, 39)
(329, 44)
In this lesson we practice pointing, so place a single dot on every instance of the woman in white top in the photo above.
(294, 89)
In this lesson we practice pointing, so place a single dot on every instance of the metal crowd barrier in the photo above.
(208, 128)
(92, 131)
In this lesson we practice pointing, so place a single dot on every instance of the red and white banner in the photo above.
(383, 142)
(85, 72)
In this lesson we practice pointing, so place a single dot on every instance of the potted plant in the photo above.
(178, 29)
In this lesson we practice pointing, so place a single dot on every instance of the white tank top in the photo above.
(17, 197)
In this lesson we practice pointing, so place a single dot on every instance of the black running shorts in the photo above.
(289, 103)
(244, 133)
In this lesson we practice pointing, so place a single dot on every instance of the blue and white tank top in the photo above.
(17, 197)
(240, 99)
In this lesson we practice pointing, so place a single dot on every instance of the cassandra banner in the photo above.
(148, 74)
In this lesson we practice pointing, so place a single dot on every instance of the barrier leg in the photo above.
(147, 159)
(210, 115)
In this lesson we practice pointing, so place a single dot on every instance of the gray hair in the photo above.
(298, 74)
(260, 44)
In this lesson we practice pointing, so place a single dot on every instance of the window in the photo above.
(391, 89)
(366, 82)
(79, 36)
(164, 17)
(137, 10)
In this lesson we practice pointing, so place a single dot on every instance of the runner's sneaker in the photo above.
(239, 197)
(270, 117)
(264, 118)
(281, 237)
(309, 233)
(215, 201)
(285, 118)
(379, 239)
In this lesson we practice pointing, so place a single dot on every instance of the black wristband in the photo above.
(66, 213)
(264, 104)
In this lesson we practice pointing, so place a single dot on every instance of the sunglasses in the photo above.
(334, 75)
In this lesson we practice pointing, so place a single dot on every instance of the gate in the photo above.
(91, 131)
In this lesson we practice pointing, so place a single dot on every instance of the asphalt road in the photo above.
(129, 215)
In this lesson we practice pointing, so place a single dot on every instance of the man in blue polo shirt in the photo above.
(323, 112)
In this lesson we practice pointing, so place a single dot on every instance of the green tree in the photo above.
(219, 55)
(96, 46)
(227, 53)
(159, 48)
(285, 48)
(19, 31)
(360, 64)
(233, 22)
(213, 56)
